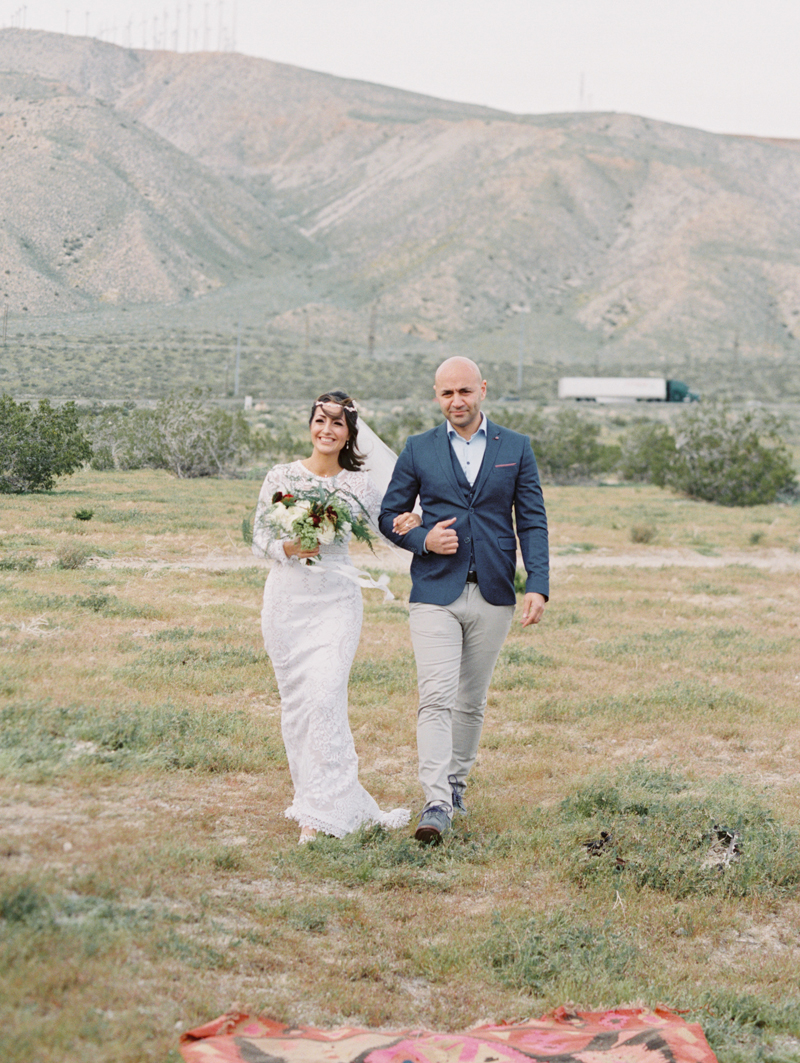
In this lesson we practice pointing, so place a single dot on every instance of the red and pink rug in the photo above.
(626, 1035)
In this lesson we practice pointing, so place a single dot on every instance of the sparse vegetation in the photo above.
(144, 781)
(647, 452)
(735, 459)
(73, 555)
(567, 445)
(183, 434)
(643, 533)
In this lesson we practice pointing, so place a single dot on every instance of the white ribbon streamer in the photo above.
(355, 575)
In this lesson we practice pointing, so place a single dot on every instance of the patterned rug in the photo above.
(627, 1035)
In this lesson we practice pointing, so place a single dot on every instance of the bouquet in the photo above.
(317, 516)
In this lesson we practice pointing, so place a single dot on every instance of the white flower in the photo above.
(326, 533)
(285, 516)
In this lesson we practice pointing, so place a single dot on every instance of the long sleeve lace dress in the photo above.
(311, 620)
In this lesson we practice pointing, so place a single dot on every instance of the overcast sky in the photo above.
(729, 66)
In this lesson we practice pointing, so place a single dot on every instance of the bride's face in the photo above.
(329, 431)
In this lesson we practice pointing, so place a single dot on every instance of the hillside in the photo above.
(346, 216)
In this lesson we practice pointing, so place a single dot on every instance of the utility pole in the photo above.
(238, 357)
(522, 311)
(373, 315)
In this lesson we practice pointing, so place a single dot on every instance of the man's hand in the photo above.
(532, 608)
(442, 539)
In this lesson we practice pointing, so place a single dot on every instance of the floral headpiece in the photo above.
(349, 405)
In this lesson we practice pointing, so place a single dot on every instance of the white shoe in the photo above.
(307, 834)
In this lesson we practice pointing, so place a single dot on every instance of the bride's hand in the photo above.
(404, 522)
(292, 548)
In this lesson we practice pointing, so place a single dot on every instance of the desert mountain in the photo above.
(621, 239)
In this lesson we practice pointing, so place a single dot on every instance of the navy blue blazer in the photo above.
(506, 490)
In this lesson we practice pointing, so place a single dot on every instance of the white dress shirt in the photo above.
(469, 451)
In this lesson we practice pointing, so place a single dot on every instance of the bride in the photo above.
(311, 620)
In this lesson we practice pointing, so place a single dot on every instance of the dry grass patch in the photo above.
(144, 780)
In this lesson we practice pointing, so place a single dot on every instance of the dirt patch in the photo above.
(772, 560)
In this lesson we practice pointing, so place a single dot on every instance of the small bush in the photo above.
(647, 451)
(38, 445)
(24, 904)
(102, 458)
(183, 434)
(197, 440)
(715, 455)
(73, 555)
(732, 459)
(395, 429)
(643, 533)
(567, 446)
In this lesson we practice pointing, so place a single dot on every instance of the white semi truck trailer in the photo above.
(624, 389)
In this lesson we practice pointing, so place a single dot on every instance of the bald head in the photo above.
(460, 391)
(461, 365)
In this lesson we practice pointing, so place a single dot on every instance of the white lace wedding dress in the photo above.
(311, 620)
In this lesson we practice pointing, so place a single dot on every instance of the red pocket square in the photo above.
(508, 465)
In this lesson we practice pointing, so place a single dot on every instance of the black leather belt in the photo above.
(472, 576)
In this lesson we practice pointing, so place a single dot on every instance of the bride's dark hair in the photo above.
(350, 457)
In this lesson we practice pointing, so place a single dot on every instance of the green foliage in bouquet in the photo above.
(319, 516)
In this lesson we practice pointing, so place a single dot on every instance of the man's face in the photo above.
(460, 392)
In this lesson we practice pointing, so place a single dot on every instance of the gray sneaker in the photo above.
(433, 823)
(457, 790)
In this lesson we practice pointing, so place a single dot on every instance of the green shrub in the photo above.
(567, 446)
(714, 454)
(647, 452)
(38, 445)
(73, 555)
(733, 459)
(395, 428)
(183, 434)
(643, 533)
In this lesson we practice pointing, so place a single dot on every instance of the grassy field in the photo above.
(634, 814)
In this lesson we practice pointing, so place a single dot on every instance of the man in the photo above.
(470, 475)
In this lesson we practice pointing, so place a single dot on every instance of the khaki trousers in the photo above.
(456, 648)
